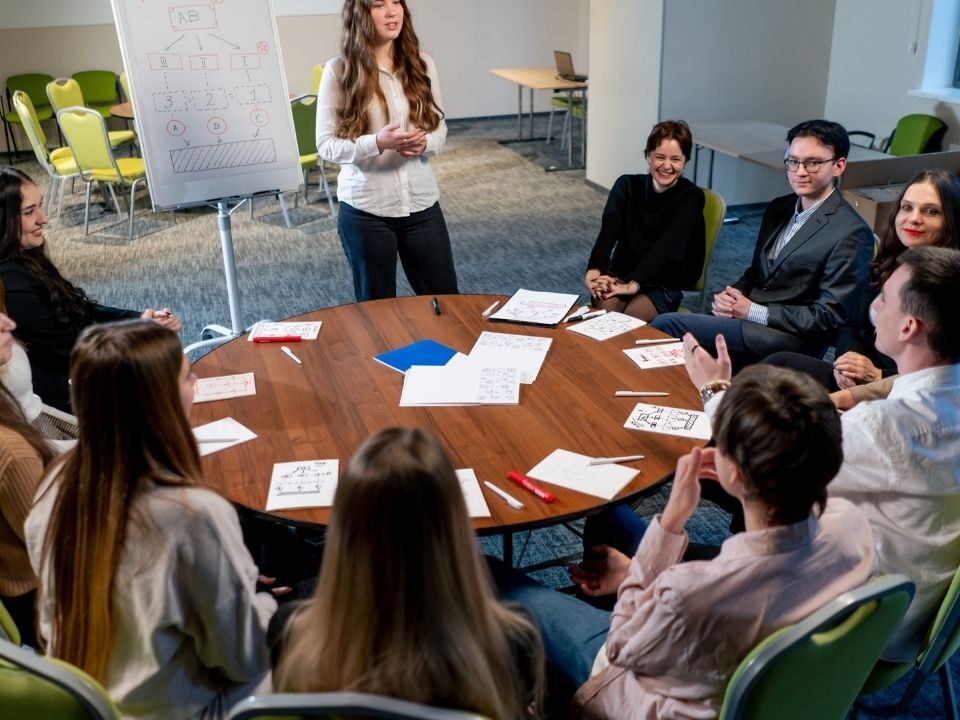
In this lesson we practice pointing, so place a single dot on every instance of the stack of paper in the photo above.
(462, 384)
(607, 326)
(505, 350)
(472, 494)
(535, 308)
(571, 470)
(656, 356)
(303, 330)
(221, 434)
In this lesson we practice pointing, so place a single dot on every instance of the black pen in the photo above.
(436, 306)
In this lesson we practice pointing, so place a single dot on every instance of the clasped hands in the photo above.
(163, 317)
(603, 286)
(852, 368)
(409, 144)
(731, 303)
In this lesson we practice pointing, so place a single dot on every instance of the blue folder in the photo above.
(422, 352)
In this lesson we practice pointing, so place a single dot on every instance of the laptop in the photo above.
(564, 61)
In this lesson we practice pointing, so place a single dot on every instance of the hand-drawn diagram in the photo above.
(508, 341)
(310, 483)
(607, 326)
(499, 386)
(669, 421)
(538, 308)
(208, 89)
(224, 387)
(302, 330)
(657, 356)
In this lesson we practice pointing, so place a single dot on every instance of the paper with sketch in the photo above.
(570, 470)
(656, 356)
(606, 326)
(224, 387)
(303, 484)
(304, 330)
(476, 503)
(464, 384)
(220, 435)
(535, 308)
(669, 421)
(524, 352)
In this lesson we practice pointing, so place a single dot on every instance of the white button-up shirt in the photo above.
(383, 184)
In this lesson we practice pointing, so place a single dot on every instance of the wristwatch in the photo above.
(708, 390)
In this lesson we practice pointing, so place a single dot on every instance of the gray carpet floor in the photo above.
(511, 225)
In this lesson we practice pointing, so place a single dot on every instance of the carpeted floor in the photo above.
(512, 225)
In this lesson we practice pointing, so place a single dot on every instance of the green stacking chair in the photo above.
(8, 628)
(304, 110)
(714, 209)
(340, 705)
(941, 643)
(815, 669)
(58, 162)
(41, 688)
(916, 134)
(316, 75)
(66, 93)
(34, 85)
(99, 88)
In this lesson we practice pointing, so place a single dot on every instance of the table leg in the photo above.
(519, 112)
(508, 548)
(583, 129)
(530, 135)
(710, 169)
(696, 160)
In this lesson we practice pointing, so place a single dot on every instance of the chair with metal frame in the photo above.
(304, 110)
(99, 89)
(815, 669)
(87, 137)
(340, 705)
(714, 208)
(46, 689)
(8, 628)
(58, 162)
(66, 93)
(34, 85)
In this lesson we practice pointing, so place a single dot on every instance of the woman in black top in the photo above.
(49, 311)
(652, 239)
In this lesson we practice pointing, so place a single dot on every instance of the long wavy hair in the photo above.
(404, 605)
(133, 434)
(68, 302)
(358, 76)
(948, 190)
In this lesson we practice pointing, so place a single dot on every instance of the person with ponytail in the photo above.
(380, 117)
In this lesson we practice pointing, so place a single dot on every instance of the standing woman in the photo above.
(49, 310)
(379, 117)
(652, 238)
(145, 582)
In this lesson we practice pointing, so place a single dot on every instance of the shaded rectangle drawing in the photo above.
(223, 155)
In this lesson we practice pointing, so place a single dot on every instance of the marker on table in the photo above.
(216, 440)
(511, 500)
(278, 338)
(639, 393)
(289, 353)
(576, 314)
(530, 486)
(489, 310)
(436, 306)
(611, 460)
(656, 341)
(587, 316)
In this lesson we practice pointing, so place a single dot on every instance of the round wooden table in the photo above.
(326, 407)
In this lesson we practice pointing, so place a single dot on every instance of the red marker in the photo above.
(279, 338)
(530, 486)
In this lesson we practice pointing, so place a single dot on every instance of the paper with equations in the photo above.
(307, 483)
(210, 99)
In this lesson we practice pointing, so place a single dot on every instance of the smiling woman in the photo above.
(652, 241)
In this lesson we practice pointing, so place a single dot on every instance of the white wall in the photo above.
(754, 59)
(872, 66)
(625, 44)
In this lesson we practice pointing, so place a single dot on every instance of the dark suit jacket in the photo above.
(814, 284)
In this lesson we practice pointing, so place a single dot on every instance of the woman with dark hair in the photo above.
(404, 605)
(145, 582)
(652, 239)
(927, 213)
(679, 630)
(380, 117)
(49, 310)
(23, 454)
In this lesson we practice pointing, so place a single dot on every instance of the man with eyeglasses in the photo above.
(810, 264)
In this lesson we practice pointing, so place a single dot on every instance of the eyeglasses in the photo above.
(811, 166)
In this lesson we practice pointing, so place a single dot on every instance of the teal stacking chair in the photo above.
(40, 688)
(815, 669)
(34, 85)
(942, 641)
(340, 705)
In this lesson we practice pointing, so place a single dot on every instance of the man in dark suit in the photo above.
(810, 265)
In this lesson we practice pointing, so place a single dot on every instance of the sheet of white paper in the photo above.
(305, 330)
(540, 308)
(464, 384)
(669, 421)
(571, 470)
(476, 503)
(505, 350)
(224, 387)
(606, 326)
(303, 484)
(656, 356)
(227, 432)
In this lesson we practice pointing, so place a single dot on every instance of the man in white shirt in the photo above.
(901, 454)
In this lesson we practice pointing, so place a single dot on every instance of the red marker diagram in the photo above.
(217, 125)
(176, 128)
(260, 117)
(263, 47)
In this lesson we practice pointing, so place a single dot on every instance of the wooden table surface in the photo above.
(543, 78)
(325, 408)
(122, 110)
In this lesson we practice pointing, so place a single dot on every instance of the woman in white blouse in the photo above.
(379, 117)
